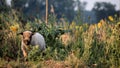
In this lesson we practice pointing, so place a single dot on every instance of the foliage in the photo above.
(92, 45)
(103, 10)
(37, 8)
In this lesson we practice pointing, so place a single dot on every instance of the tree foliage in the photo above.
(36, 8)
(103, 10)
(3, 6)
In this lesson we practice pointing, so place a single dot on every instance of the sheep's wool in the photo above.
(38, 39)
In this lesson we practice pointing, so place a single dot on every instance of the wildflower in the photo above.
(13, 28)
(77, 27)
(99, 24)
(37, 47)
(16, 25)
(118, 24)
(110, 18)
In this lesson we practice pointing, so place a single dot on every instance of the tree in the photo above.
(3, 6)
(80, 7)
(103, 10)
(36, 8)
(63, 8)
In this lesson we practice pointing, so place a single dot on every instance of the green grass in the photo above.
(91, 45)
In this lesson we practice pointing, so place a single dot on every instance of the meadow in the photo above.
(84, 45)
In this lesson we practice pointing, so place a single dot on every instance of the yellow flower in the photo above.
(99, 24)
(118, 24)
(16, 25)
(77, 27)
(13, 28)
(110, 18)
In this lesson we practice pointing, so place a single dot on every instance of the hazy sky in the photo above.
(8, 2)
(90, 3)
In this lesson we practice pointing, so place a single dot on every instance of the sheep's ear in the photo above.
(33, 33)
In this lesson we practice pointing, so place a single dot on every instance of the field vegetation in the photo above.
(80, 46)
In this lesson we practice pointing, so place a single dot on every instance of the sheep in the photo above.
(34, 39)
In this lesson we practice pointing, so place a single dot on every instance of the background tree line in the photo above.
(31, 9)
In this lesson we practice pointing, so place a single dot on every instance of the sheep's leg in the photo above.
(24, 53)
(24, 50)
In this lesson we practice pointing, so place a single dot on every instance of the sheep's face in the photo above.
(27, 37)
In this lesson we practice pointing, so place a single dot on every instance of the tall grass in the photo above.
(91, 45)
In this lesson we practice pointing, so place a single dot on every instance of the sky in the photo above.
(8, 2)
(90, 3)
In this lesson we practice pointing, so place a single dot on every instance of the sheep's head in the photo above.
(26, 37)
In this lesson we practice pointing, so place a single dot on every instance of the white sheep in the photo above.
(34, 39)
